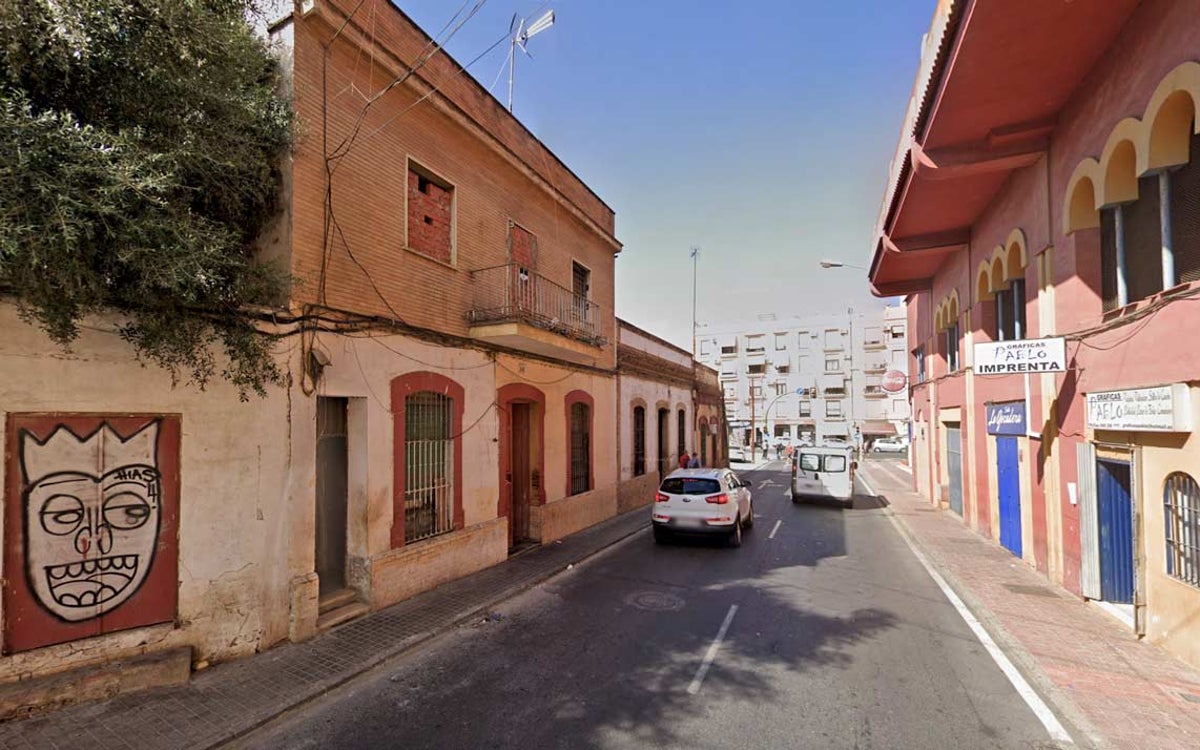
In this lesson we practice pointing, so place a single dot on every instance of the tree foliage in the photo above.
(140, 143)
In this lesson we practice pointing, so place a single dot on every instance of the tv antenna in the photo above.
(519, 36)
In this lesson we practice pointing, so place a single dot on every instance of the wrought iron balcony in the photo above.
(512, 294)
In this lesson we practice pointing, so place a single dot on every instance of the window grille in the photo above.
(1181, 516)
(581, 449)
(429, 466)
(639, 441)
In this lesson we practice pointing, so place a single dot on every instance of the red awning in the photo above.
(878, 428)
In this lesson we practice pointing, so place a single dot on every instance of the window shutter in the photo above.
(1185, 216)
(1143, 242)
(1108, 259)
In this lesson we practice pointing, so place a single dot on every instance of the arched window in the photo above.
(639, 441)
(427, 465)
(579, 434)
(1181, 521)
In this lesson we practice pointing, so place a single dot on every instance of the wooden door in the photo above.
(522, 484)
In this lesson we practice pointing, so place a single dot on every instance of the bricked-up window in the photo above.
(1181, 515)
(581, 447)
(522, 247)
(430, 215)
(639, 441)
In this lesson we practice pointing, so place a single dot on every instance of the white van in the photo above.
(824, 472)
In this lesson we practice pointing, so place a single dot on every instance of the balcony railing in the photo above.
(875, 391)
(512, 294)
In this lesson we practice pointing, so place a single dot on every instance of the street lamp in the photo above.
(827, 263)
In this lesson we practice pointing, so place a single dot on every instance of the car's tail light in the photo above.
(721, 499)
(660, 497)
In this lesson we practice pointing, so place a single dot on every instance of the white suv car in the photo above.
(702, 501)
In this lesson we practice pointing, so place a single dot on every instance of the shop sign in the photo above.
(1006, 419)
(1166, 408)
(893, 381)
(1021, 356)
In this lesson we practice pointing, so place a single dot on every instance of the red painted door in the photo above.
(91, 525)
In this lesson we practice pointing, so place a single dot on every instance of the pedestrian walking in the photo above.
(683, 460)
(694, 461)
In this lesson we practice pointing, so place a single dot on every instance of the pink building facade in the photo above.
(1047, 186)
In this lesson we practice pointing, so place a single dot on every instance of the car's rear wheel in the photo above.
(735, 536)
(750, 515)
(661, 535)
(796, 498)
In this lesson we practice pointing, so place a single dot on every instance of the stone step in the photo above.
(336, 599)
(342, 614)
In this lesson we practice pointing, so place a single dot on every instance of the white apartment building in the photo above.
(826, 376)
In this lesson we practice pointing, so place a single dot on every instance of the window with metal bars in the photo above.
(1181, 511)
(581, 448)
(639, 441)
(429, 465)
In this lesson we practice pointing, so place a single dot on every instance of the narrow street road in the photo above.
(828, 633)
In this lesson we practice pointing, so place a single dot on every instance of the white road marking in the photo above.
(904, 468)
(774, 529)
(1023, 688)
(712, 652)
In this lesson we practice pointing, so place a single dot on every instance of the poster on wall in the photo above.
(90, 525)
(1006, 419)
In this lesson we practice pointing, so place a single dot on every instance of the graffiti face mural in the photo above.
(98, 504)
(91, 518)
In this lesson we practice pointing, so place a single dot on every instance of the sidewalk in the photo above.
(228, 700)
(1118, 691)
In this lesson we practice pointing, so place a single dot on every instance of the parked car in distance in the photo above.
(890, 445)
(738, 453)
(702, 501)
(824, 472)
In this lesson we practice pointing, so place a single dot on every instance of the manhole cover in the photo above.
(654, 601)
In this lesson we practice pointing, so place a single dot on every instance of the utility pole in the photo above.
(753, 424)
(695, 254)
(854, 435)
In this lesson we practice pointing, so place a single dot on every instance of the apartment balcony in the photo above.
(875, 344)
(875, 368)
(875, 391)
(523, 310)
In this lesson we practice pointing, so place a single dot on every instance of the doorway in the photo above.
(1008, 480)
(521, 466)
(954, 466)
(332, 495)
(1115, 517)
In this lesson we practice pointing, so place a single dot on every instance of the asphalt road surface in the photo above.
(832, 635)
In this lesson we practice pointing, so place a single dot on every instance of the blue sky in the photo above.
(760, 132)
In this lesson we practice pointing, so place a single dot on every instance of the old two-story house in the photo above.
(1047, 186)
(472, 420)
(450, 350)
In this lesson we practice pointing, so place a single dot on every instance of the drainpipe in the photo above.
(1164, 221)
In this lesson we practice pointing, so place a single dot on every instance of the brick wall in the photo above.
(495, 182)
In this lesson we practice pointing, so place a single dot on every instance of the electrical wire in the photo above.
(430, 365)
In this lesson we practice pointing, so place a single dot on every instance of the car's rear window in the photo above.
(818, 462)
(690, 486)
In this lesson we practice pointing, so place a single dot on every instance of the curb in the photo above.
(416, 640)
(1084, 732)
